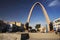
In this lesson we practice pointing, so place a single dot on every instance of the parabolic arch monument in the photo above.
(44, 12)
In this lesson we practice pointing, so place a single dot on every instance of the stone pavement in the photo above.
(33, 36)
(44, 36)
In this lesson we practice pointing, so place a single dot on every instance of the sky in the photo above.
(18, 10)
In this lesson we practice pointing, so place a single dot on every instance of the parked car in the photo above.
(33, 30)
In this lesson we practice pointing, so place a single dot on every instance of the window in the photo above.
(57, 21)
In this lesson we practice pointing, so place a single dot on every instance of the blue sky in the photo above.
(18, 10)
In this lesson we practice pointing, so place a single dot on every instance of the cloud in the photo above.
(54, 3)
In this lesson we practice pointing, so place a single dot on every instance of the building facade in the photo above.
(56, 23)
(16, 23)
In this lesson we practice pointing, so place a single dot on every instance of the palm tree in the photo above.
(38, 26)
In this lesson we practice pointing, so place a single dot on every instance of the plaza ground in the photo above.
(33, 36)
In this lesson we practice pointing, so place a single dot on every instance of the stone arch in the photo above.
(44, 12)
